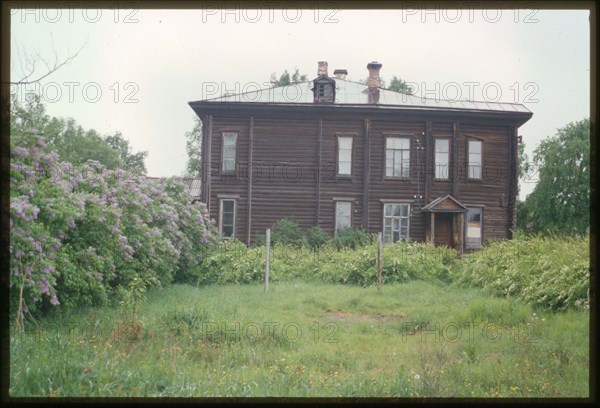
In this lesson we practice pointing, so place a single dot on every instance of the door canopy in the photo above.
(447, 204)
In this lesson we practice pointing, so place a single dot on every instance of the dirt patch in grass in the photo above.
(360, 317)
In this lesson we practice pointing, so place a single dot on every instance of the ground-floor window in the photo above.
(473, 233)
(227, 218)
(343, 215)
(395, 222)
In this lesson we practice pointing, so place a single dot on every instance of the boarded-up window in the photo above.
(227, 218)
(343, 215)
(397, 157)
(229, 151)
(475, 159)
(442, 156)
(395, 222)
(345, 155)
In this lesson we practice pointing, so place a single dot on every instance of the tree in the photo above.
(72, 143)
(29, 74)
(561, 199)
(285, 78)
(76, 145)
(396, 85)
(29, 62)
(28, 118)
(524, 170)
(193, 147)
(134, 162)
(525, 166)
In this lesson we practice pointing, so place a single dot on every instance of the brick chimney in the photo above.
(322, 68)
(340, 73)
(374, 81)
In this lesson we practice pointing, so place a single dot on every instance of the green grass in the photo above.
(307, 339)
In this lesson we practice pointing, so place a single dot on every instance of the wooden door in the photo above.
(443, 230)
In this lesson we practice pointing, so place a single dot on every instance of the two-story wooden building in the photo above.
(336, 153)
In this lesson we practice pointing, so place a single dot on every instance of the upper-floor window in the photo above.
(475, 159)
(229, 151)
(344, 166)
(343, 215)
(397, 157)
(442, 158)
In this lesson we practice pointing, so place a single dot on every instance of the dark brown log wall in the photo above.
(285, 170)
(340, 188)
(403, 190)
(492, 190)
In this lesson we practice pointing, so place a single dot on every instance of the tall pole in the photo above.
(379, 244)
(267, 259)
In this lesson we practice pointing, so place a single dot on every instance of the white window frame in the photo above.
(337, 216)
(228, 160)
(442, 159)
(221, 201)
(474, 241)
(398, 155)
(341, 139)
(474, 168)
(389, 237)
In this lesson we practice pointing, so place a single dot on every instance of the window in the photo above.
(227, 218)
(344, 155)
(473, 228)
(229, 151)
(323, 91)
(442, 157)
(397, 157)
(395, 222)
(474, 165)
(343, 215)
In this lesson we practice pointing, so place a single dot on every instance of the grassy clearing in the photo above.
(306, 339)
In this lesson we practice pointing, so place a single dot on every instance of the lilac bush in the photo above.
(78, 233)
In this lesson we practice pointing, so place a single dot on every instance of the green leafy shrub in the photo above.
(551, 272)
(132, 298)
(260, 240)
(232, 261)
(316, 238)
(287, 232)
(81, 232)
(352, 238)
(402, 261)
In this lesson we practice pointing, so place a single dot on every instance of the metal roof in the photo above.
(354, 93)
(192, 183)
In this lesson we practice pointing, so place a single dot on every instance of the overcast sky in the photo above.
(139, 68)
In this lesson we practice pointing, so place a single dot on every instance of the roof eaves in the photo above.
(359, 106)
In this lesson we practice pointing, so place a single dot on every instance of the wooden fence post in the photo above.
(267, 259)
(379, 244)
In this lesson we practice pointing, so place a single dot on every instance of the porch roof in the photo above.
(445, 203)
